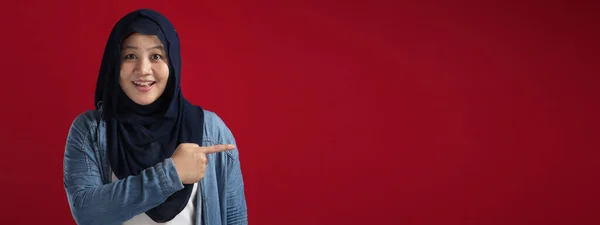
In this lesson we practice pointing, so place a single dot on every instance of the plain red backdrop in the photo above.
(347, 112)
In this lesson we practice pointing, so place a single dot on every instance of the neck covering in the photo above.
(139, 137)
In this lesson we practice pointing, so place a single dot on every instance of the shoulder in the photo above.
(212, 121)
(83, 125)
(82, 128)
(86, 120)
(214, 127)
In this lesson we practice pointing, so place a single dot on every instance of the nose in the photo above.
(144, 66)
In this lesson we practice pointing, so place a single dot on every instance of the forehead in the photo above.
(141, 40)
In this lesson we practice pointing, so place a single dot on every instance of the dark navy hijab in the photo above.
(139, 137)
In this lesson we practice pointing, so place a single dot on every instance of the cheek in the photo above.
(122, 79)
(124, 74)
(162, 72)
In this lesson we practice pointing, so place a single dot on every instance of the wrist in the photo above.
(177, 170)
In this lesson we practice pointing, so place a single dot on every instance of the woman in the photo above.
(146, 155)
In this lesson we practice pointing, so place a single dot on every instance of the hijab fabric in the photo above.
(139, 137)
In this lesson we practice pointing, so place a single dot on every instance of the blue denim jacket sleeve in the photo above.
(91, 201)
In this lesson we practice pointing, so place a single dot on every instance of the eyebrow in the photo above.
(160, 47)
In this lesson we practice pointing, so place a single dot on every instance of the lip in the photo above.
(143, 88)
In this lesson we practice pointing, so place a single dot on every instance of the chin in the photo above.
(144, 101)
(142, 98)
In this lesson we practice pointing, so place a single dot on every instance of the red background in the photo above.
(413, 112)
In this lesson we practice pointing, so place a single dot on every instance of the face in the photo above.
(144, 68)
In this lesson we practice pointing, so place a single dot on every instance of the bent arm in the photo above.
(92, 202)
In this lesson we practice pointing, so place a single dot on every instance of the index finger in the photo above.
(216, 148)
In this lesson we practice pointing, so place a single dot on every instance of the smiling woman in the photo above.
(146, 155)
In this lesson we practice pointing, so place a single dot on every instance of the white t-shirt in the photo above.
(185, 217)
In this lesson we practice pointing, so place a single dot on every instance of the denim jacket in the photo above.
(94, 199)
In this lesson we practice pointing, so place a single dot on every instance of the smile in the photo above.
(144, 86)
(145, 83)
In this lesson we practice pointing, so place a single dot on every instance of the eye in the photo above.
(130, 56)
(156, 56)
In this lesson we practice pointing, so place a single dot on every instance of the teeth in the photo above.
(143, 83)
